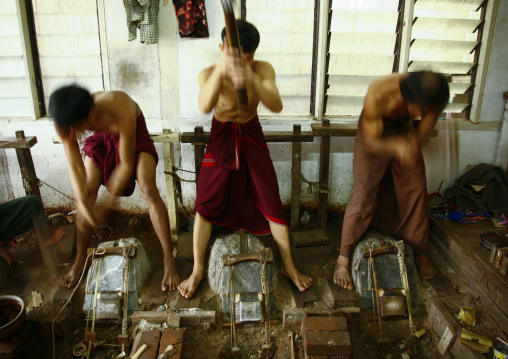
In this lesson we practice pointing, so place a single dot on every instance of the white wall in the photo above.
(163, 79)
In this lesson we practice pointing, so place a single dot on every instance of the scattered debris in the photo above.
(420, 333)
(467, 316)
(139, 352)
(35, 301)
(475, 342)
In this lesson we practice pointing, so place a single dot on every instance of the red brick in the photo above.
(172, 336)
(151, 338)
(328, 324)
(326, 343)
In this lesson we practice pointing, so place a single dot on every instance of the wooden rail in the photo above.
(199, 139)
(326, 130)
(22, 145)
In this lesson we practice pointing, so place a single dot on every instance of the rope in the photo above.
(53, 188)
(68, 300)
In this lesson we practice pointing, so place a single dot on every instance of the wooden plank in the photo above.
(13, 142)
(199, 152)
(171, 190)
(342, 297)
(441, 284)
(26, 165)
(324, 171)
(272, 136)
(472, 270)
(345, 129)
(165, 136)
(302, 299)
(314, 237)
(296, 179)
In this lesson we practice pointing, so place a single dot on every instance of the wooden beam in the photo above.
(171, 188)
(345, 129)
(324, 171)
(296, 181)
(13, 142)
(272, 136)
(199, 151)
(26, 165)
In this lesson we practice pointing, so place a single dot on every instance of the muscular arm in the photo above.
(263, 82)
(373, 124)
(123, 172)
(425, 128)
(210, 84)
(402, 147)
(77, 172)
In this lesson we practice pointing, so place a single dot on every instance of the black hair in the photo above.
(69, 105)
(427, 89)
(248, 34)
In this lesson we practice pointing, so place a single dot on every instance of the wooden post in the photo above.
(26, 165)
(324, 170)
(171, 196)
(296, 182)
(199, 151)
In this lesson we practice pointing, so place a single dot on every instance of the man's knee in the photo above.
(149, 192)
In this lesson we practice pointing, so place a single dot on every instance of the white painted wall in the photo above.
(163, 79)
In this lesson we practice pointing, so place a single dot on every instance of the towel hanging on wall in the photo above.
(142, 15)
(191, 16)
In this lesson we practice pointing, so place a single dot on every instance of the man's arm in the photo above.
(425, 128)
(402, 147)
(124, 171)
(263, 82)
(77, 172)
(210, 84)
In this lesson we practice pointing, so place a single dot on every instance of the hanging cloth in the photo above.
(191, 16)
(142, 15)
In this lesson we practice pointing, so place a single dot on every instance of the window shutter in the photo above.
(445, 38)
(68, 44)
(361, 41)
(286, 28)
(15, 96)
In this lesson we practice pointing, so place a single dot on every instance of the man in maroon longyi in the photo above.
(237, 183)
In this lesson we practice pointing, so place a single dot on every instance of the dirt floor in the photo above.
(31, 275)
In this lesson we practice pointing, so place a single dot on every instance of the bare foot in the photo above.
(302, 282)
(425, 268)
(341, 276)
(72, 277)
(171, 278)
(189, 286)
(9, 258)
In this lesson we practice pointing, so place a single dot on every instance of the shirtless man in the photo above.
(388, 167)
(237, 185)
(119, 152)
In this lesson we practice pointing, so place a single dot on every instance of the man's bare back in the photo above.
(389, 100)
(75, 109)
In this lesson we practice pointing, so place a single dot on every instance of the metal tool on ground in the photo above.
(234, 44)
(405, 283)
(378, 300)
(250, 310)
